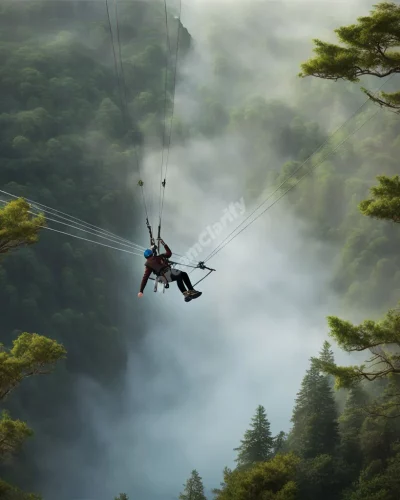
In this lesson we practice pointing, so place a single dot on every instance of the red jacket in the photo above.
(154, 264)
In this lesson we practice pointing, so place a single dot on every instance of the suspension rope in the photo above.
(293, 185)
(167, 60)
(326, 142)
(173, 103)
(114, 54)
(122, 88)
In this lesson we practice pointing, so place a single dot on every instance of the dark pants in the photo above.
(182, 279)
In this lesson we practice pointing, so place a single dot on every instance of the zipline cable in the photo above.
(295, 184)
(35, 205)
(91, 241)
(326, 142)
(113, 241)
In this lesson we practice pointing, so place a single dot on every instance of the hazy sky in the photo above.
(203, 368)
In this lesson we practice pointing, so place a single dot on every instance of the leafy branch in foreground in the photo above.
(385, 201)
(31, 354)
(369, 47)
(17, 226)
(381, 338)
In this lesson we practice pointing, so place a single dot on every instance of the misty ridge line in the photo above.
(211, 232)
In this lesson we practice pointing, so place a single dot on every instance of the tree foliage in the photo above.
(17, 226)
(12, 435)
(382, 338)
(258, 444)
(270, 480)
(370, 48)
(315, 427)
(194, 489)
(31, 354)
(385, 201)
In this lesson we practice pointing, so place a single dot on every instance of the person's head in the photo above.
(148, 253)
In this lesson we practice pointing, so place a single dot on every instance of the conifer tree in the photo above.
(315, 426)
(279, 443)
(385, 200)
(194, 489)
(368, 47)
(258, 443)
(350, 424)
(326, 356)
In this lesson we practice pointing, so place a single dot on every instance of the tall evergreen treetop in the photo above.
(315, 427)
(194, 489)
(326, 353)
(258, 443)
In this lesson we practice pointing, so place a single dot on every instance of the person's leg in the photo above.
(176, 275)
(186, 280)
(191, 291)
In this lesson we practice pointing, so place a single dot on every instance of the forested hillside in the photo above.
(64, 143)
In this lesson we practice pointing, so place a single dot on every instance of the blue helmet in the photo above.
(148, 253)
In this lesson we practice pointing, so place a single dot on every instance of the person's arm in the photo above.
(145, 279)
(168, 252)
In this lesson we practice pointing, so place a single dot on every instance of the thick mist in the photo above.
(194, 383)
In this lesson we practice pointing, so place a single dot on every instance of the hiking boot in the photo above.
(194, 294)
(187, 296)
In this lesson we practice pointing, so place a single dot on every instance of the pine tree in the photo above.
(315, 427)
(326, 356)
(258, 443)
(279, 443)
(350, 424)
(194, 489)
(368, 47)
(326, 353)
(385, 201)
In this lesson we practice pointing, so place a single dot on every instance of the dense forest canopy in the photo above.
(71, 138)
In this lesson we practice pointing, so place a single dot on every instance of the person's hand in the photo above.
(162, 241)
(140, 294)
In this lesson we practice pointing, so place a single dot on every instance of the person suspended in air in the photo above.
(160, 266)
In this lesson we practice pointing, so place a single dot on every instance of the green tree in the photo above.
(385, 201)
(350, 424)
(271, 480)
(258, 443)
(122, 496)
(320, 477)
(326, 356)
(370, 48)
(381, 338)
(17, 226)
(30, 355)
(378, 481)
(315, 427)
(279, 443)
(13, 433)
(8, 492)
(194, 489)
